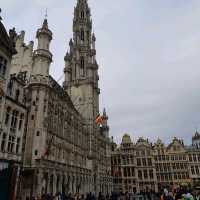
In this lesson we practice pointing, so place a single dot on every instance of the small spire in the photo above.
(45, 23)
(70, 42)
(67, 56)
(93, 37)
(104, 112)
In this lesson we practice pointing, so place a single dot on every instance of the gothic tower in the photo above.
(37, 91)
(81, 68)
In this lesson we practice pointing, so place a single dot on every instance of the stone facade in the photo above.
(64, 150)
(12, 117)
(81, 83)
(144, 166)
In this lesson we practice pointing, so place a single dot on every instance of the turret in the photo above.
(67, 69)
(42, 56)
(105, 127)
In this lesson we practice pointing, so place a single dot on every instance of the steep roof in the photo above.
(5, 41)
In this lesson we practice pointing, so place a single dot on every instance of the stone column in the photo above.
(70, 184)
(40, 183)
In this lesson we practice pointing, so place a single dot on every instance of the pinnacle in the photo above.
(45, 24)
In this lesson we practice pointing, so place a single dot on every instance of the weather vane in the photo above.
(46, 14)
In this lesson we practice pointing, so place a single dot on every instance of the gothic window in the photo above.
(82, 35)
(11, 143)
(14, 121)
(149, 162)
(82, 67)
(82, 14)
(140, 174)
(7, 115)
(17, 145)
(3, 143)
(194, 158)
(21, 121)
(138, 162)
(144, 162)
(197, 169)
(145, 174)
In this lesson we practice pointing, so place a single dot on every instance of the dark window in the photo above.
(82, 67)
(140, 174)
(125, 172)
(82, 35)
(21, 121)
(36, 152)
(82, 14)
(3, 143)
(17, 145)
(145, 174)
(151, 174)
(192, 170)
(138, 162)
(149, 162)
(7, 115)
(133, 171)
(194, 158)
(197, 169)
(144, 162)
(38, 133)
(14, 121)
(17, 95)
(11, 144)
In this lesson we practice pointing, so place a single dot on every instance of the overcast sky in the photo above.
(149, 57)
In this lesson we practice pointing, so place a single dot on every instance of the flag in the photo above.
(99, 119)
(47, 151)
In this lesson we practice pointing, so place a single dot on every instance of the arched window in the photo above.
(7, 115)
(82, 67)
(82, 35)
(82, 14)
(21, 121)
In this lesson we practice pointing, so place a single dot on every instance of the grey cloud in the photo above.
(148, 53)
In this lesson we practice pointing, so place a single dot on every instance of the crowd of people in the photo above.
(63, 196)
(176, 194)
(180, 194)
